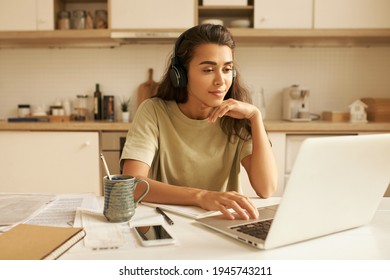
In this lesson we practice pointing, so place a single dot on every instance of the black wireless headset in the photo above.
(178, 73)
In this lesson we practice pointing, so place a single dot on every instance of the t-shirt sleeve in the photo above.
(246, 149)
(142, 138)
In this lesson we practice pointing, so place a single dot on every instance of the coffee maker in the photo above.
(296, 104)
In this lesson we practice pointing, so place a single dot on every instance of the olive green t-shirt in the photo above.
(183, 151)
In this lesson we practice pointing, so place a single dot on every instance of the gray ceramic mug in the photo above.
(119, 203)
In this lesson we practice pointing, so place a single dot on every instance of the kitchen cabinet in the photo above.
(89, 6)
(152, 14)
(111, 147)
(19, 17)
(354, 14)
(285, 14)
(226, 13)
(55, 162)
(27, 15)
(264, 14)
(272, 22)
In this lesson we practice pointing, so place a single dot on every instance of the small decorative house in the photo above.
(357, 112)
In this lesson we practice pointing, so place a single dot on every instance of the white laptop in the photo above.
(336, 184)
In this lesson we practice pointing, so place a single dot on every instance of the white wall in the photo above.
(335, 76)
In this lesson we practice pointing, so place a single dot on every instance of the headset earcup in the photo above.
(178, 76)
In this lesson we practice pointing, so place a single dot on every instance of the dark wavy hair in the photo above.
(191, 39)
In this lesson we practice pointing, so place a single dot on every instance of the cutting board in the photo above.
(378, 109)
(147, 89)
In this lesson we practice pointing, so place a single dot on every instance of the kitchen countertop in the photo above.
(325, 127)
(65, 126)
(271, 125)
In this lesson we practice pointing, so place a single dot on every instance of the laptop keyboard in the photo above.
(256, 229)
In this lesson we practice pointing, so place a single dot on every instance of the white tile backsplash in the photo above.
(334, 76)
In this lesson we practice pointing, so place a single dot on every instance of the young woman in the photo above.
(190, 139)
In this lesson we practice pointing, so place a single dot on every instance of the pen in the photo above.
(105, 166)
(159, 210)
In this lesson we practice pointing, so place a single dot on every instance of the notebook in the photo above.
(33, 242)
(336, 184)
(194, 212)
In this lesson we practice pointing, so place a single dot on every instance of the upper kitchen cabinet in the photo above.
(18, 18)
(352, 14)
(27, 15)
(234, 14)
(152, 14)
(252, 22)
(283, 14)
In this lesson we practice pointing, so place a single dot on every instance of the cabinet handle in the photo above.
(87, 143)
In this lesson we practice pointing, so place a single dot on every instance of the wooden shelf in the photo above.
(312, 37)
(243, 36)
(57, 38)
(272, 37)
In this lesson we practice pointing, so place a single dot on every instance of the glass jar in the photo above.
(23, 110)
(81, 108)
(64, 20)
(78, 19)
(101, 19)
